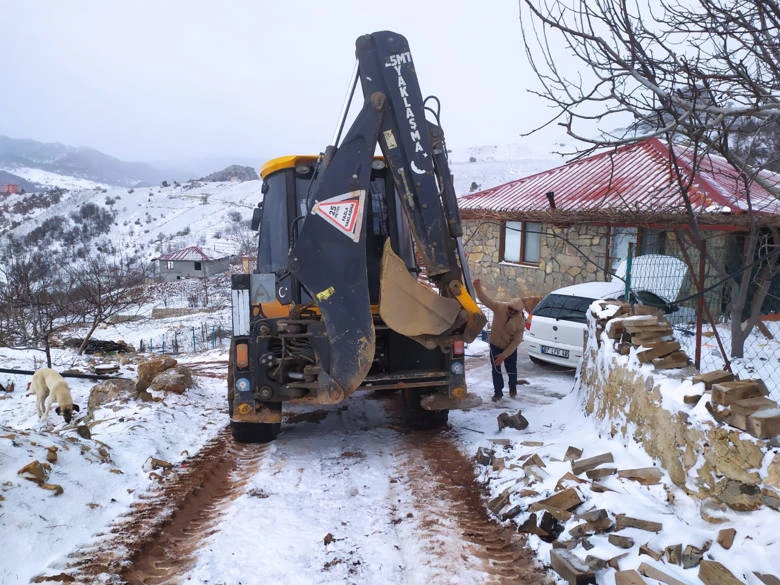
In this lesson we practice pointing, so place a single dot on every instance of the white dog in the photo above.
(46, 383)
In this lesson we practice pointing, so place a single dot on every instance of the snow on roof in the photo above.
(190, 254)
(635, 178)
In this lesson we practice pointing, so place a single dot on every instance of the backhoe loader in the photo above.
(361, 281)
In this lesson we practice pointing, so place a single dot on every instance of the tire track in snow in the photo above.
(158, 539)
(344, 495)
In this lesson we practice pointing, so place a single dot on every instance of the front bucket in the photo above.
(408, 306)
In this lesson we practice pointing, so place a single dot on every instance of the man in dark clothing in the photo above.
(506, 333)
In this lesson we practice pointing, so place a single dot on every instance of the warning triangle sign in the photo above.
(344, 212)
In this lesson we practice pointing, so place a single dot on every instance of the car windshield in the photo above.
(649, 298)
(563, 307)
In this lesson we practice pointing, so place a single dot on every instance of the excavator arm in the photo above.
(329, 255)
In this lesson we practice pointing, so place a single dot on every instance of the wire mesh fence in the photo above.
(194, 339)
(701, 321)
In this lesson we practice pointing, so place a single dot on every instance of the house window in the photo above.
(197, 266)
(652, 241)
(169, 265)
(622, 238)
(522, 242)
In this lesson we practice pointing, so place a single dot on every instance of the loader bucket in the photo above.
(408, 306)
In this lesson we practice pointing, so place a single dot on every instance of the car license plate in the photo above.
(557, 352)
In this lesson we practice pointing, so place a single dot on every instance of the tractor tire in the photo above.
(417, 417)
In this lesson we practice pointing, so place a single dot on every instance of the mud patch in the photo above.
(158, 540)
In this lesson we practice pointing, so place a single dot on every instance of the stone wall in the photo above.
(716, 463)
(573, 254)
(562, 259)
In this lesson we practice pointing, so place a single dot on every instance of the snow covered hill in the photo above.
(149, 221)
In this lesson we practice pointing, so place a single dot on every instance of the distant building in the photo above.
(9, 188)
(190, 262)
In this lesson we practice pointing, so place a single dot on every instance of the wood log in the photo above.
(657, 574)
(614, 329)
(673, 554)
(534, 460)
(714, 377)
(620, 541)
(511, 512)
(595, 563)
(643, 475)
(572, 454)
(596, 527)
(593, 515)
(557, 513)
(713, 573)
(678, 359)
(649, 331)
(726, 537)
(530, 527)
(600, 472)
(726, 393)
(691, 556)
(623, 521)
(630, 577)
(566, 478)
(485, 456)
(748, 406)
(499, 502)
(645, 549)
(638, 322)
(582, 465)
(570, 567)
(764, 424)
(567, 499)
(657, 350)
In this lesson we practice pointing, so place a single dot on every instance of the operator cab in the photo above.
(286, 186)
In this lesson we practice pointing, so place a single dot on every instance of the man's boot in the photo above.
(513, 390)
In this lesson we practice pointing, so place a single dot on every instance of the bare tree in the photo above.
(695, 73)
(33, 304)
(102, 288)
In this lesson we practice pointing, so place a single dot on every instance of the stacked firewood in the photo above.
(743, 404)
(645, 329)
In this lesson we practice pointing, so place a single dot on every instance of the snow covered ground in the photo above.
(49, 179)
(103, 476)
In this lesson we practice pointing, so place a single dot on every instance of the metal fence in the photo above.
(708, 344)
(203, 337)
(702, 325)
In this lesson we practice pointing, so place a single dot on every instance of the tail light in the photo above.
(458, 348)
(242, 355)
(528, 322)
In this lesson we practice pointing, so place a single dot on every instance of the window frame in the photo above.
(523, 245)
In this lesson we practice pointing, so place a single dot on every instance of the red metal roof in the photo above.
(191, 254)
(636, 179)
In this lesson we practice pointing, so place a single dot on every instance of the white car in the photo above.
(557, 326)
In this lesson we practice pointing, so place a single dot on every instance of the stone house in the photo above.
(191, 262)
(574, 223)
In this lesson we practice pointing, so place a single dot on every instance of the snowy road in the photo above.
(345, 495)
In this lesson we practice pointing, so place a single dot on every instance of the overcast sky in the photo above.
(158, 80)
